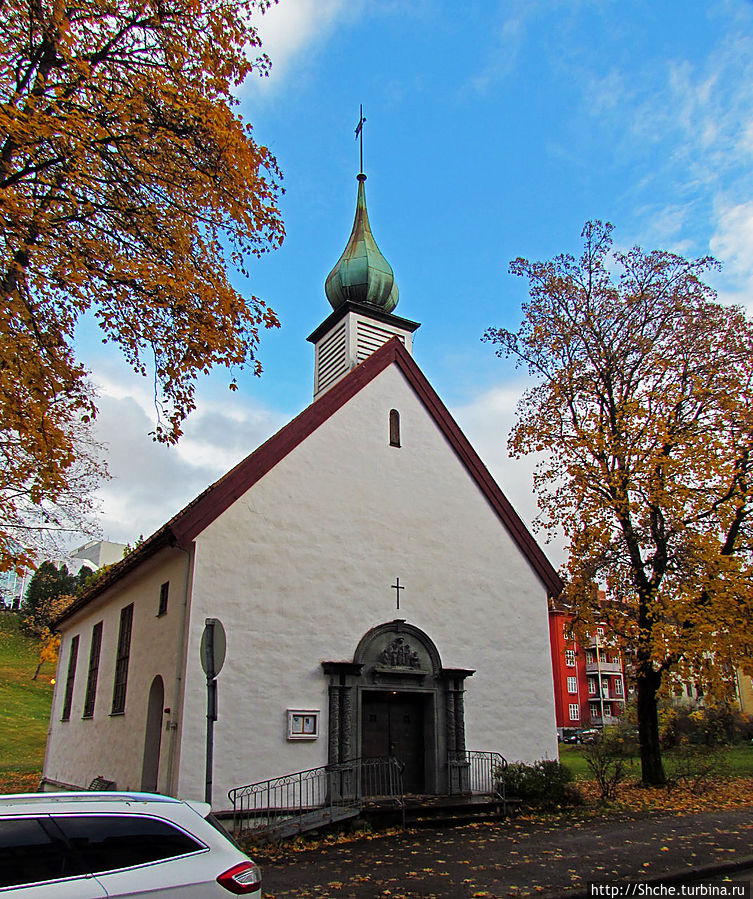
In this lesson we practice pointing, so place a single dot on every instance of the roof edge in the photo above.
(480, 472)
(158, 540)
(374, 312)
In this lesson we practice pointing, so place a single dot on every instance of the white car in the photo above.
(95, 845)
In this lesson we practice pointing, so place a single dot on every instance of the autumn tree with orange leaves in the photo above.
(128, 186)
(643, 409)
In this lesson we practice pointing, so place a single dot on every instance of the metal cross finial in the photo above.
(359, 131)
(397, 587)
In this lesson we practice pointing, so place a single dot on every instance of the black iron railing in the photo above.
(344, 786)
(474, 772)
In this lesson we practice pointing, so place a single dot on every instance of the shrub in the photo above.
(716, 724)
(609, 759)
(695, 766)
(544, 784)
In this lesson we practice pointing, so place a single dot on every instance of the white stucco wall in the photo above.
(300, 567)
(113, 745)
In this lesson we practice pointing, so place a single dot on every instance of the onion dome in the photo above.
(362, 274)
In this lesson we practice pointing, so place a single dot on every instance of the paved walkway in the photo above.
(518, 858)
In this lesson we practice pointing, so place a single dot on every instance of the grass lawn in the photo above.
(738, 761)
(24, 708)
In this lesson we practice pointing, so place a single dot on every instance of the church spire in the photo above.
(362, 290)
(362, 274)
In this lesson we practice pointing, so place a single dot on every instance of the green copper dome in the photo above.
(362, 274)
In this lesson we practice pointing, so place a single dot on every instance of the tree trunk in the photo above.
(647, 683)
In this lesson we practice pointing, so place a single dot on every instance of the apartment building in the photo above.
(589, 678)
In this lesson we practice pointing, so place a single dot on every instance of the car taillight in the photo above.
(242, 878)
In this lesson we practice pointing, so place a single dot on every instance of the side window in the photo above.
(28, 854)
(394, 427)
(91, 682)
(109, 842)
(72, 659)
(163, 592)
(121, 663)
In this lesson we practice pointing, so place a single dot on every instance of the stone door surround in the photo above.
(398, 657)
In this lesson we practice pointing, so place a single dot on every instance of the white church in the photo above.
(379, 594)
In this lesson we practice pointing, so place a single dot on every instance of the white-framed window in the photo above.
(592, 686)
(618, 686)
(574, 711)
(595, 710)
(591, 656)
(303, 724)
(572, 685)
(600, 631)
(570, 657)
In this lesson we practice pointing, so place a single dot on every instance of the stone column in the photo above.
(334, 737)
(342, 709)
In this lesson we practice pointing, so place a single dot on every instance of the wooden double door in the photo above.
(394, 723)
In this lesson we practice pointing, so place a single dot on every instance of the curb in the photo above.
(702, 872)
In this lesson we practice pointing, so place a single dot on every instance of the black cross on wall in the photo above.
(397, 587)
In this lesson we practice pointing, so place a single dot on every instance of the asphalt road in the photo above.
(519, 858)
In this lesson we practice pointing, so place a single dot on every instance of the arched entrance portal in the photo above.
(396, 698)
(153, 737)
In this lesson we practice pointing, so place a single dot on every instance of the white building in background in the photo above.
(97, 553)
(378, 592)
(13, 587)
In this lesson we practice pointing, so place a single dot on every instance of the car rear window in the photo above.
(110, 842)
(218, 826)
(29, 854)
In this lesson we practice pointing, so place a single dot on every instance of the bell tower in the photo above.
(362, 291)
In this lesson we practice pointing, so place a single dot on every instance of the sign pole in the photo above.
(211, 708)
(211, 705)
(212, 653)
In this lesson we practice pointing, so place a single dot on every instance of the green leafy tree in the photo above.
(642, 406)
(50, 590)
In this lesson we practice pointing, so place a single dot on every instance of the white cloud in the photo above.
(693, 122)
(509, 27)
(732, 244)
(292, 27)
(151, 482)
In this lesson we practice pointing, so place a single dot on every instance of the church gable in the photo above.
(379, 480)
(307, 560)
(387, 428)
(199, 514)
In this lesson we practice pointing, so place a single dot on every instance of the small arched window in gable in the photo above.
(394, 427)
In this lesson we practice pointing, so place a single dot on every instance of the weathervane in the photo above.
(359, 132)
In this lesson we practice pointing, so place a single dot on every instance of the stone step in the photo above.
(292, 826)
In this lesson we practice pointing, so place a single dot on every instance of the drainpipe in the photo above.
(175, 710)
(598, 674)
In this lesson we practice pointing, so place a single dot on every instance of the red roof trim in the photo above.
(202, 511)
(194, 518)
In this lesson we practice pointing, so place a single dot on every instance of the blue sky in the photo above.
(494, 130)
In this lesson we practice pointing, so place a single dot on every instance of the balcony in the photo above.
(606, 696)
(603, 668)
